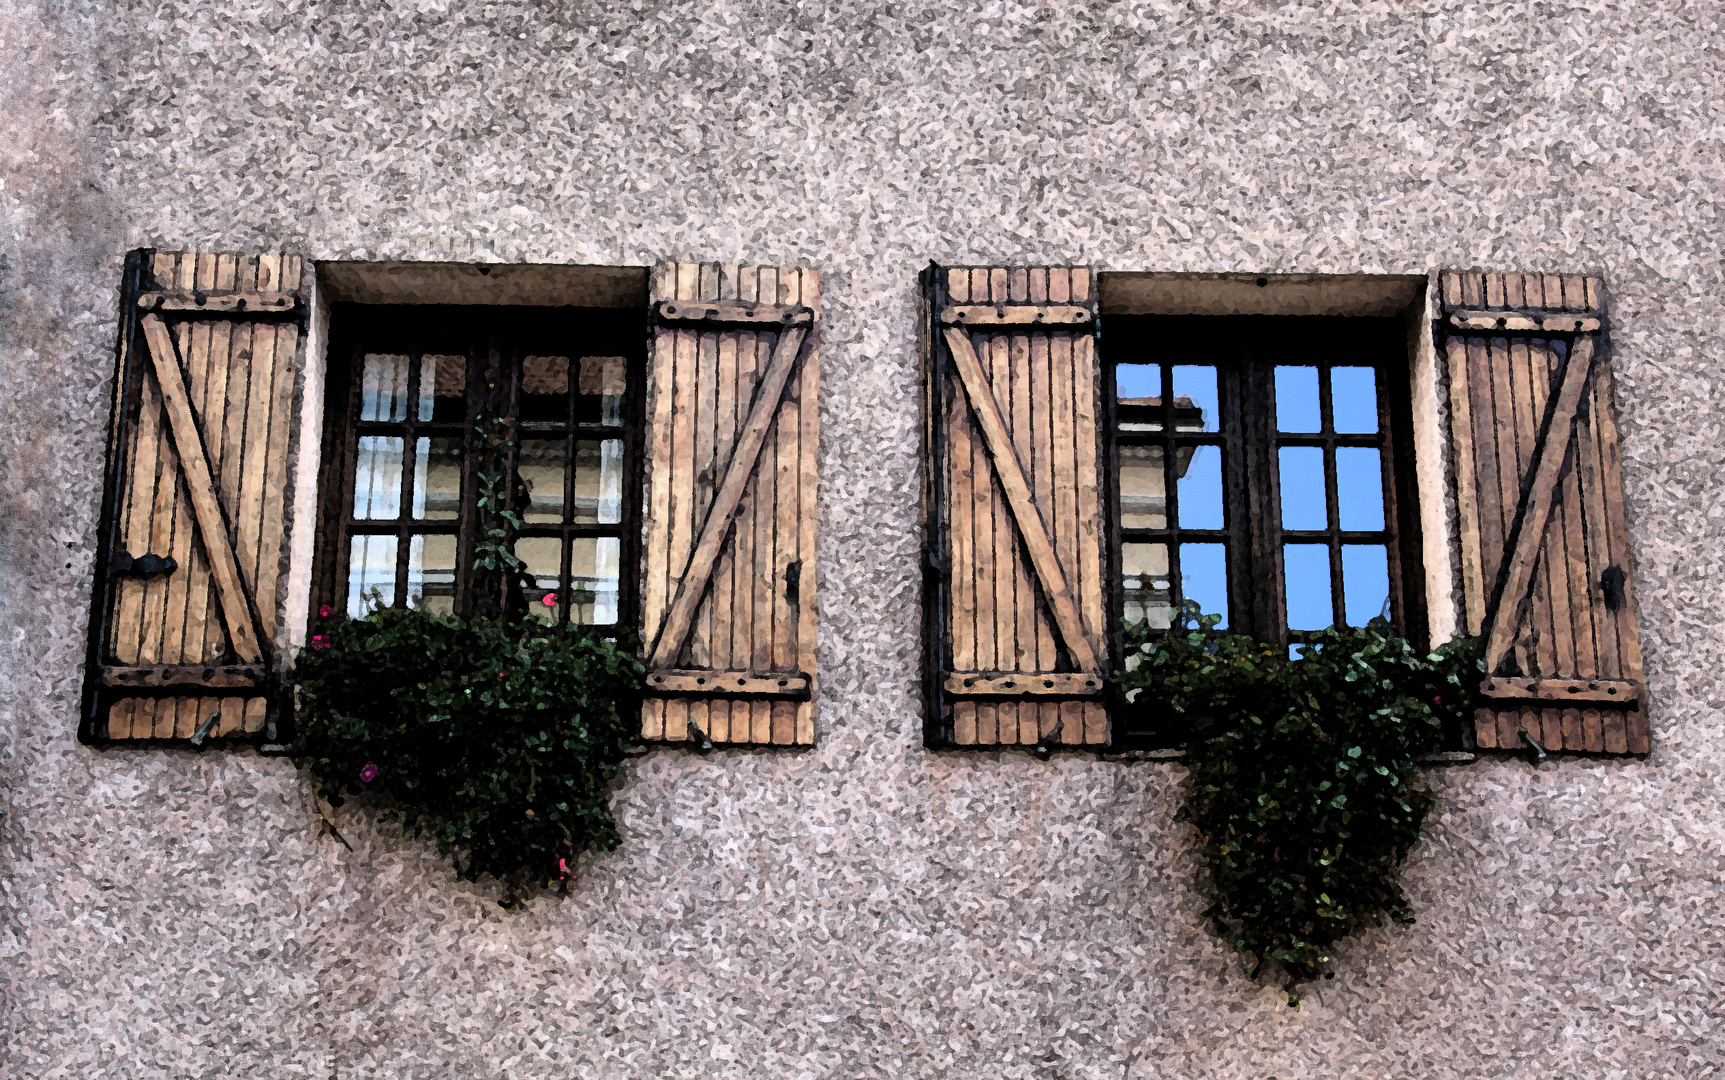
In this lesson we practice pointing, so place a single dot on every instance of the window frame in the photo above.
(1246, 349)
(494, 338)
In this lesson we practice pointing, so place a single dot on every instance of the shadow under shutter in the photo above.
(1544, 538)
(733, 412)
(1017, 653)
(184, 617)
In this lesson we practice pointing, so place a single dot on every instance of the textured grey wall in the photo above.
(866, 909)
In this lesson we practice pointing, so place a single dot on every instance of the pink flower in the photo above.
(563, 871)
(550, 599)
(326, 611)
(320, 641)
(369, 773)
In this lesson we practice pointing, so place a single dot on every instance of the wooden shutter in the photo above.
(1545, 544)
(1016, 606)
(183, 620)
(728, 600)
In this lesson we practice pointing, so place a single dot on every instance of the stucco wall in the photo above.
(867, 909)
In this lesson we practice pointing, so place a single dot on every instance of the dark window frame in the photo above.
(1245, 350)
(494, 339)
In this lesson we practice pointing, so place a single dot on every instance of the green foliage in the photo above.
(1301, 772)
(498, 738)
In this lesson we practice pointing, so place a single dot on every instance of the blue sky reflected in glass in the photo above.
(1199, 384)
(1204, 577)
(1354, 400)
(1306, 572)
(1365, 582)
(1137, 381)
(1303, 487)
(1359, 488)
(1297, 399)
(1200, 504)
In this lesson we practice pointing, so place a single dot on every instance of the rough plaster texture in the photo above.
(866, 909)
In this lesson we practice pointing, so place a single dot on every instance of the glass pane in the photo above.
(1306, 572)
(593, 580)
(1138, 395)
(540, 466)
(437, 479)
(599, 481)
(1204, 578)
(1143, 488)
(1360, 488)
(370, 574)
(543, 556)
(431, 574)
(1365, 582)
(1149, 590)
(601, 384)
(383, 388)
(1354, 400)
(1200, 505)
(1297, 399)
(1195, 399)
(545, 390)
(1303, 502)
(443, 389)
(377, 478)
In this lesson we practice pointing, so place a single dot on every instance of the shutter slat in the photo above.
(1019, 485)
(1535, 454)
(206, 398)
(731, 500)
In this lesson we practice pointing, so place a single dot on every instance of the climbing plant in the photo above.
(496, 734)
(1302, 772)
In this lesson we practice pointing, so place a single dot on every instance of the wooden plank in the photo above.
(212, 675)
(1534, 321)
(254, 467)
(1462, 440)
(654, 586)
(1033, 684)
(120, 718)
(715, 312)
(784, 462)
(686, 347)
(1025, 602)
(257, 711)
(1011, 474)
(224, 569)
(1529, 530)
(213, 641)
(765, 506)
(1612, 691)
(1042, 476)
(232, 720)
(706, 403)
(986, 498)
(279, 437)
(1006, 559)
(1071, 722)
(960, 531)
(1533, 389)
(749, 347)
(217, 303)
(733, 683)
(1091, 593)
(724, 440)
(184, 620)
(808, 514)
(1005, 313)
(126, 633)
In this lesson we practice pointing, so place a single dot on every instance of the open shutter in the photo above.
(1545, 545)
(183, 621)
(1016, 642)
(728, 600)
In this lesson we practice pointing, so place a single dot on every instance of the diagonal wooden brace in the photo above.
(693, 585)
(1011, 473)
(1537, 498)
(195, 470)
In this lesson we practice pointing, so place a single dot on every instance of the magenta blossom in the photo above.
(563, 871)
(320, 641)
(326, 611)
(369, 773)
(550, 599)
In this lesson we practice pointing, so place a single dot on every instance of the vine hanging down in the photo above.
(1301, 772)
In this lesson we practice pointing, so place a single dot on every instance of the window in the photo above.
(1257, 465)
(410, 392)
